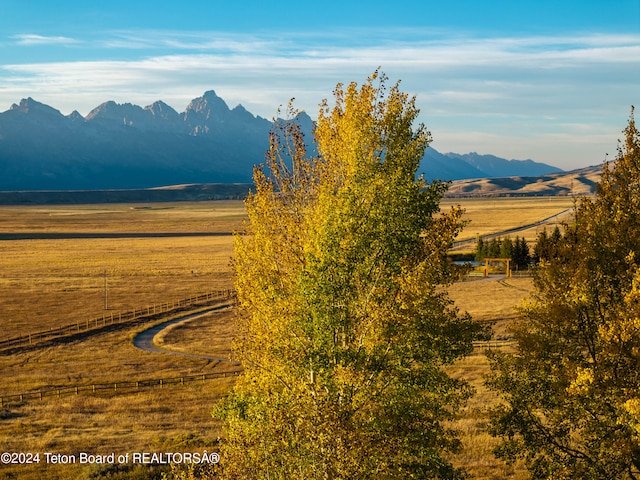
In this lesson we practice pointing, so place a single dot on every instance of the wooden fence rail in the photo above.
(491, 344)
(113, 388)
(112, 319)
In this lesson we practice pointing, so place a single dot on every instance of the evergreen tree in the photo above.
(344, 332)
(506, 248)
(541, 248)
(556, 235)
(547, 247)
(520, 256)
(493, 250)
(481, 247)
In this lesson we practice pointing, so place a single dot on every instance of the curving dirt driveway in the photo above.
(145, 339)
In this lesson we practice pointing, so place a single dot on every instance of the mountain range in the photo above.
(125, 146)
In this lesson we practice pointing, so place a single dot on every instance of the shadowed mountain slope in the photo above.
(125, 146)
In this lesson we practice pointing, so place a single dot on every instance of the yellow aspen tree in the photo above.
(344, 327)
(572, 390)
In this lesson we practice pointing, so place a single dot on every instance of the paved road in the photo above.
(513, 230)
(144, 340)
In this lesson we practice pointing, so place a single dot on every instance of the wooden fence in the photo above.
(492, 344)
(113, 319)
(113, 388)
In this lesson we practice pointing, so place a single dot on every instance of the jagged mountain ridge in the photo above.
(120, 146)
(492, 166)
(127, 146)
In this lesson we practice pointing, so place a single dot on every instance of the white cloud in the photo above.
(32, 39)
(468, 73)
(516, 88)
(187, 41)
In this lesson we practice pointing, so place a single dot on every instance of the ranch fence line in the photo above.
(112, 388)
(113, 319)
(475, 275)
(491, 344)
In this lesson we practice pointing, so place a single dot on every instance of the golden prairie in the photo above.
(47, 281)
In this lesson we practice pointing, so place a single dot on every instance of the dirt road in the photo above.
(145, 339)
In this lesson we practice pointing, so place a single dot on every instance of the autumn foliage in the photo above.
(344, 331)
(572, 391)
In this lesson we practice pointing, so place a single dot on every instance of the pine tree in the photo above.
(344, 331)
(481, 247)
(547, 247)
(493, 251)
(506, 248)
(520, 255)
(541, 250)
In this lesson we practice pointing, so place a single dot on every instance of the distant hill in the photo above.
(125, 146)
(578, 183)
(174, 193)
(581, 182)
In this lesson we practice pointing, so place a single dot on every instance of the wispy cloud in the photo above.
(465, 69)
(29, 39)
(463, 83)
(189, 41)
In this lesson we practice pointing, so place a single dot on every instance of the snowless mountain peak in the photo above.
(128, 146)
(29, 105)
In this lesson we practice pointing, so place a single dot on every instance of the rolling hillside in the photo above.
(577, 183)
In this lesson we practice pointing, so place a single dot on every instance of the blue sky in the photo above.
(548, 80)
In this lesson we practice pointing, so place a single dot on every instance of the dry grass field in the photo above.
(486, 216)
(46, 282)
(195, 336)
(65, 280)
(53, 281)
(494, 302)
(207, 217)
